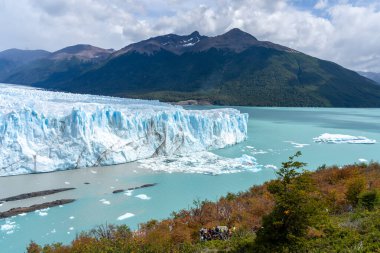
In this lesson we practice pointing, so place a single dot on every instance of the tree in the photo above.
(297, 206)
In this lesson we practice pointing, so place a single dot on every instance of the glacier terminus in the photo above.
(42, 131)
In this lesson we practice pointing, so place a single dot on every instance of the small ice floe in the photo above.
(67, 182)
(71, 228)
(53, 231)
(112, 187)
(71, 217)
(271, 166)
(94, 171)
(143, 197)
(297, 145)
(60, 206)
(128, 192)
(1, 204)
(21, 214)
(125, 216)
(134, 171)
(343, 138)
(362, 160)
(42, 212)
(8, 227)
(250, 147)
(68, 232)
(105, 202)
(201, 162)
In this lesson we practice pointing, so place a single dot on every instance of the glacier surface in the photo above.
(43, 131)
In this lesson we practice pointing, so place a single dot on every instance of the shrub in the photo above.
(355, 187)
(368, 199)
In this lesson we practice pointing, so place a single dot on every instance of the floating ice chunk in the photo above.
(271, 166)
(71, 217)
(201, 162)
(362, 160)
(8, 226)
(53, 231)
(125, 216)
(105, 202)
(297, 145)
(67, 182)
(128, 192)
(250, 147)
(71, 228)
(22, 214)
(342, 138)
(94, 171)
(42, 213)
(143, 196)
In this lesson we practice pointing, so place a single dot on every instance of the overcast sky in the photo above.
(344, 31)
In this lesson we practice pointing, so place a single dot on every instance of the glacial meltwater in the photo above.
(325, 136)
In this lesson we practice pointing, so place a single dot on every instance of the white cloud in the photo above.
(321, 4)
(339, 30)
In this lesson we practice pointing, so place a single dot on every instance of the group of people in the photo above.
(215, 233)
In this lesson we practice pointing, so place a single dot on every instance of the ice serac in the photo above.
(44, 131)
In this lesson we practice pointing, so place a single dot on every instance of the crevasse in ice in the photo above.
(46, 131)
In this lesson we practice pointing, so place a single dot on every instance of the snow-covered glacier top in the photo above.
(45, 131)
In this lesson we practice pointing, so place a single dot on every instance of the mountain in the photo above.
(234, 68)
(57, 67)
(371, 75)
(13, 58)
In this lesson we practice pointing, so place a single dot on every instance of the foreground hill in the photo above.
(230, 69)
(330, 210)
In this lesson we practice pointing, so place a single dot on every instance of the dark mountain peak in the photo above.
(236, 33)
(174, 43)
(195, 33)
(82, 52)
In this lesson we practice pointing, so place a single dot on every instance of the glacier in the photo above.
(43, 131)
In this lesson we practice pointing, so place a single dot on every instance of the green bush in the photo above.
(369, 199)
(354, 189)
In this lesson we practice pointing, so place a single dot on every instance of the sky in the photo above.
(344, 31)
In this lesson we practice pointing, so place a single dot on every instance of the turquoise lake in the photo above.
(273, 135)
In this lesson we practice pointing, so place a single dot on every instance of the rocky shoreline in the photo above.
(134, 188)
(35, 194)
(20, 210)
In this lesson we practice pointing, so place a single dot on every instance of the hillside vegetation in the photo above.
(330, 210)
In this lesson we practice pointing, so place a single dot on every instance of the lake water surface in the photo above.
(273, 135)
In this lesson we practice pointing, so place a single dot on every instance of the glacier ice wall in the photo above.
(44, 131)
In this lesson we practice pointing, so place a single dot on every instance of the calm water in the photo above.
(273, 134)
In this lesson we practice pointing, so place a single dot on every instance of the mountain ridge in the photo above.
(229, 69)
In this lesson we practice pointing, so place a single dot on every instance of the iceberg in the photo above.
(42, 131)
(343, 138)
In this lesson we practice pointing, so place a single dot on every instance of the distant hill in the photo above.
(60, 66)
(371, 75)
(12, 58)
(230, 69)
